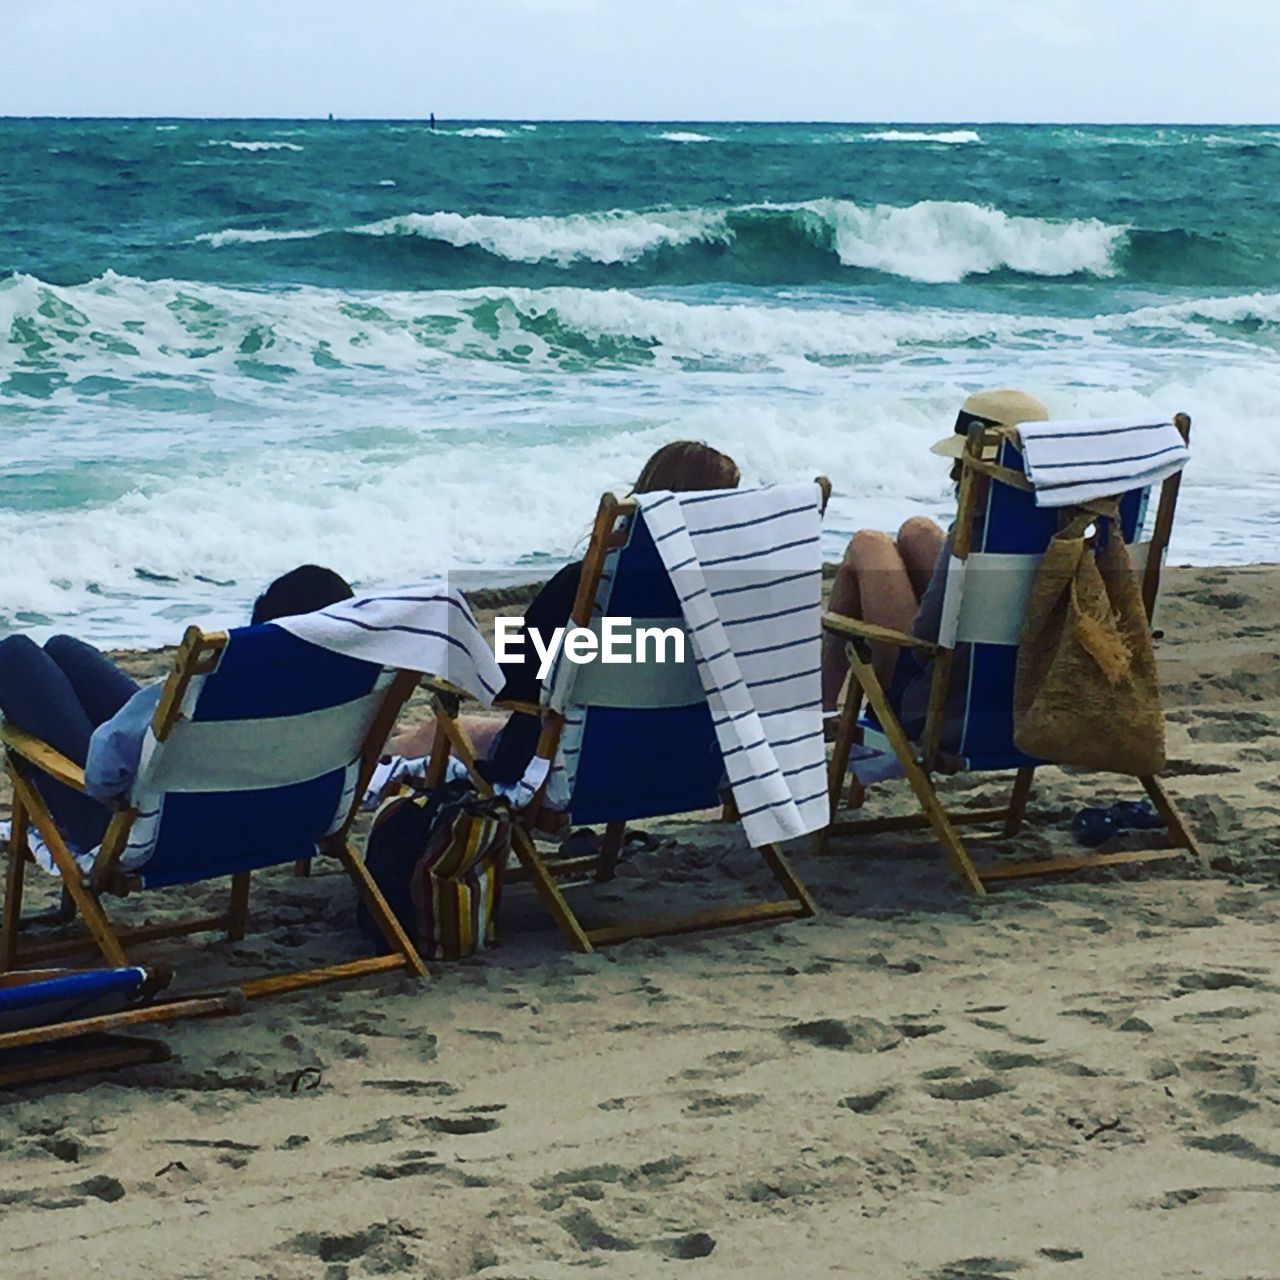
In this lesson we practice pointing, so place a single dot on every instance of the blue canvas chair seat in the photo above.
(258, 752)
(973, 665)
(636, 761)
(625, 743)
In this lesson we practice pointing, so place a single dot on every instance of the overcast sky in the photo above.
(921, 60)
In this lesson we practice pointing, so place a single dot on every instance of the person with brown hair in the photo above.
(506, 747)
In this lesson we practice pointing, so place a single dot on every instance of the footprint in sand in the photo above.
(1233, 1144)
(685, 1248)
(461, 1125)
(414, 1088)
(965, 1090)
(865, 1103)
(1215, 980)
(721, 1104)
(1005, 1060)
(977, 1269)
(1228, 1071)
(380, 1248)
(1223, 1108)
(856, 1035)
(589, 1234)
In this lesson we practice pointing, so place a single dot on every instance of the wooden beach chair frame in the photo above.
(610, 532)
(198, 654)
(74, 1046)
(919, 761)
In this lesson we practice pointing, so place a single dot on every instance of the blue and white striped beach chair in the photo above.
(739, 573)
(259, 751)
(1001, 535)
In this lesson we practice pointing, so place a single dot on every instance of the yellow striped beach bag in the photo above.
(457, 883)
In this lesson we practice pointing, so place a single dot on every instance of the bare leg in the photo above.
(877, 585)
(846, 601)
(920, 543)
(418, 740)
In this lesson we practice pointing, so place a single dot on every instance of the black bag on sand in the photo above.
(402, 829)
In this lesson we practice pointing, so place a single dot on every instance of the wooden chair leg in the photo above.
(920, 781)
(610, 848)
(838, 768)
(396, 937)
(238, 911)
(791, 883)
(1179, 833)
(1018, 801)
(522, 844)
(13, 882)
(87, 904)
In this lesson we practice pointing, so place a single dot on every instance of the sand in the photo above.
(1070, 1078)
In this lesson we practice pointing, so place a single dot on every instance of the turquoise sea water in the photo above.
(228, 346)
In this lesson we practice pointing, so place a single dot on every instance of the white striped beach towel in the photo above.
(747, 567)
(428, 628)
(1070, 462)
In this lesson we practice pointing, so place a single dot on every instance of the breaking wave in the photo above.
(934, 241)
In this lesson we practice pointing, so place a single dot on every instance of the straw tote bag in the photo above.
(1086, 690)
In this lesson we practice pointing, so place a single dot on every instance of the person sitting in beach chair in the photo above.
(899, 583)
(736, 576)
(259, 747)
(940, 692)
(73, 697)
(504, 749)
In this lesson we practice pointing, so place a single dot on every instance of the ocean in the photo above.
(227, 347)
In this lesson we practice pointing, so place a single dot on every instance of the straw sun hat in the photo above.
(1001, 408)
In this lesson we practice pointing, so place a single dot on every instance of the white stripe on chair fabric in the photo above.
(985, 601)
(1077, 461)
(257, 755)
(747, 567)
(428, 628)
(629, 685)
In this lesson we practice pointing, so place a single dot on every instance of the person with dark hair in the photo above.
(72, 696)
(302, 590)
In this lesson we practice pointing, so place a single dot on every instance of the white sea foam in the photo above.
(165, 128)
(684, 135)
(950, 137)
(945, 240)
(609, 237)
(251, 235)
(254, 146)
(480, 132)
(935, 241)
(358, 429)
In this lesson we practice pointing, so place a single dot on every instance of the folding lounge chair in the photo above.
(258, 753)
(996, 557)
(63, 1022)
(628, 742)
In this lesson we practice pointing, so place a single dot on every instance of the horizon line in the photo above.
(329, 118)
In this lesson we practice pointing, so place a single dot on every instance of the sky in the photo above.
(1208, 61)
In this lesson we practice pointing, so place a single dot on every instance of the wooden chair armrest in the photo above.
(436, 684)
(43, 756)
(433, 684)
(856, 629)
